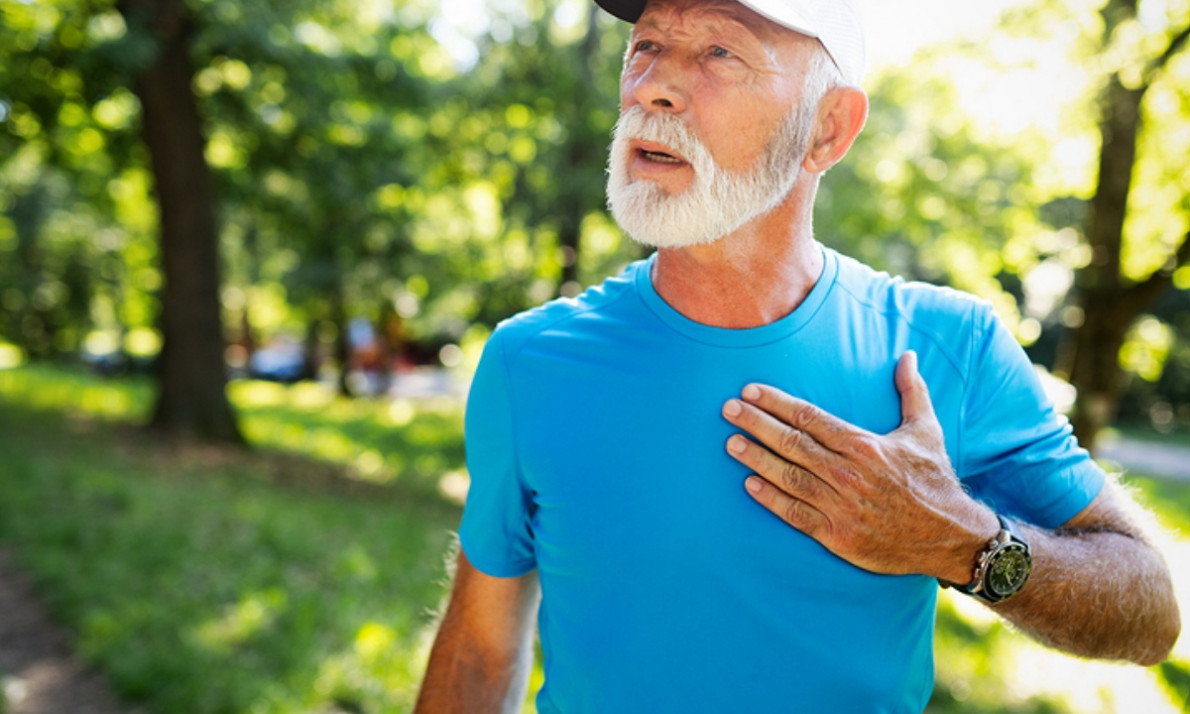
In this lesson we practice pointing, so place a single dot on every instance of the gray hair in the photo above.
(822, 75)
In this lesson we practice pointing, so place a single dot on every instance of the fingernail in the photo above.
(732, 408)
(752, 484)
(736, 444)
(752, 392)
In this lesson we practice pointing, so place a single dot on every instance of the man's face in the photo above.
(707, 140)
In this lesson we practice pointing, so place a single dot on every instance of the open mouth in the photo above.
(660, 157)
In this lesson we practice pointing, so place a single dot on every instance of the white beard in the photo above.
(718, 201)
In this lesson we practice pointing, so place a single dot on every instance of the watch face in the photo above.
(1009, 571)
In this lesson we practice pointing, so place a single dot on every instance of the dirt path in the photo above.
(38, 672)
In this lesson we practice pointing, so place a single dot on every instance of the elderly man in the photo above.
(732, 478)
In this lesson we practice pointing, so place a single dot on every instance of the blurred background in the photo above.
(250, 253)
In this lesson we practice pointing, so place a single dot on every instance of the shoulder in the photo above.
(911, 300)
(556, 318)
(952, 321)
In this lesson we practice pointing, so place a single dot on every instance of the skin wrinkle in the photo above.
(771, 34)
(716, 11)
(718, 201)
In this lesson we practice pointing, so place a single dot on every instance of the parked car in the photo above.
(282, 360)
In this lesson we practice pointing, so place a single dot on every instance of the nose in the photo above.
(656, 87)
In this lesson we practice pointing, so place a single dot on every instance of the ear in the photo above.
(841, 115)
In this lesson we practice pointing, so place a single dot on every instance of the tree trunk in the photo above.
(1092, 363)
(342, 336)
(1110, 302)
(1094, 346)
(28, 213)
(192, 399)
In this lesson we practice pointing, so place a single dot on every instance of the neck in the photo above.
(752, 277)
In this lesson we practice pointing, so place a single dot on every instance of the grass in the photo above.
(299, 577)
(379, 442)
(208, 582)
(1170, 500)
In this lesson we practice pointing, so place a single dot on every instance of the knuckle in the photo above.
(791, 440)
(794, 512)
(792, 477)
(803, 416)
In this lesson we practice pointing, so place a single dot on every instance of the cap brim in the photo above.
(627, 10)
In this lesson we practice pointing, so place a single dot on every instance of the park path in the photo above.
(38, 670)
(1166, 461)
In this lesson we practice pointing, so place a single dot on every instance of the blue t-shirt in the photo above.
(597, 455)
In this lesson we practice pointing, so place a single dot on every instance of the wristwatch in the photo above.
(1002, 568)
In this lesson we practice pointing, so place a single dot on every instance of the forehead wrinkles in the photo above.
(675, 15)
(729, 21)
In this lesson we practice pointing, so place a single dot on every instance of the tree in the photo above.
(320, 144)
(1111, 302)
(192, 379)
(998, 218)
(550, 90)
(57, 215)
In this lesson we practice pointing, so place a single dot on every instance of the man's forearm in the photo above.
(482, 656)
(459, 679)
(1097, 594)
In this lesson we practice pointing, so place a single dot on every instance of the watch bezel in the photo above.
(1008, 540)
(1008, 552)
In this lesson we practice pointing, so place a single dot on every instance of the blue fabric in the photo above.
(596, 451)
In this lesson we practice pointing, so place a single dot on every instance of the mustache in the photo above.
(662, 128)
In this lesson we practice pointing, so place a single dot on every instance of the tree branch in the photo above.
(1142, 294)
(1175, 46)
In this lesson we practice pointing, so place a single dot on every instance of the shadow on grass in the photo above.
(415, 453)
(378, 441)
(211, 581)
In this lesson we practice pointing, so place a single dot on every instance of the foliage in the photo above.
(361, 172)
(947, 184)
(921, 195)
(365, 170)
(367, 167)
(556, 79)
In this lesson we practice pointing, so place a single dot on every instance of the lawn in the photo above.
(206, 581)
(300, 577)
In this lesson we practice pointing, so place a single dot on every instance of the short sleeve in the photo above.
(496, 531)
(1017, 454)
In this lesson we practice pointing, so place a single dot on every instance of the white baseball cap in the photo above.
(835, 23)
